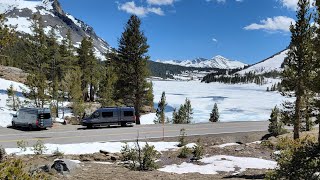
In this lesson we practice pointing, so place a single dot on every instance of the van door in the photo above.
(95, 117)
(44, 119)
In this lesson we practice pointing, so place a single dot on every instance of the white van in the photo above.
(32, 118)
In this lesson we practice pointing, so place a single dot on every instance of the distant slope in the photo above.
(163, 70)
(218, 62)
(19, 13)
(272, 63)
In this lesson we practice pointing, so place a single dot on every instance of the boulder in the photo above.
(64, 166)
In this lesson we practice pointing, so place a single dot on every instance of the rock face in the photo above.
(19, 14)
(64, 166)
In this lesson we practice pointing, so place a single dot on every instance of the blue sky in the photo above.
(245, 30)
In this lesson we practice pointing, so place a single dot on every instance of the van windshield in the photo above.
(44, 116)
(128, 113)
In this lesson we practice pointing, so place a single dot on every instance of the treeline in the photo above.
(60, 72)
(165, 71)
(235, 79)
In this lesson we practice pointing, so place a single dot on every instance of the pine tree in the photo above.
(297, 65)
(37, 63)
(214, 116)
(161, 109)
(132, 87)
(90, 69)
(276, 126)
(188, 111)
(106, 88)
(13, 97)
(7, 37)
(316, 44)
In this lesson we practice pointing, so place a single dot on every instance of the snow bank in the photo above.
(90, 148)
(221, 163)
(5, 111)
(148, 118)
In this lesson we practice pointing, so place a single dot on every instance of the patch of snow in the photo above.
(106, 163)
(90, 148)
(5, 112)
(221, 163)
(227, 144)
(21, 24)
(77, 22)
(255, 142)
(9, 5)
(148, 118)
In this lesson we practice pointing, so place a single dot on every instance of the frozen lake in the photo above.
(240, 102)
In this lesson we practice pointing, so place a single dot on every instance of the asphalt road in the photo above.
(69, 134)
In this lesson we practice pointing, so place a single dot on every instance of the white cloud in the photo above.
(278, 23)
(292, 4)
(215, 40)
(160, 2)
(132, 8)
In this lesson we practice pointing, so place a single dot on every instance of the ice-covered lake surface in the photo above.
(239, 102)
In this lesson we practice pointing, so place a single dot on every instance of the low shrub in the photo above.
(298, 160)
(184, 152)
(182, 138)
(39, 148)
(198, 151)
(22, 145)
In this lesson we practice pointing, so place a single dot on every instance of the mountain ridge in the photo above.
(19, 14)
(218, 61)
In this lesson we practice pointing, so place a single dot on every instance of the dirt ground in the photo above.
(89, 169)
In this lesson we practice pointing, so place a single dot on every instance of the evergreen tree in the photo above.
(132, 87)
(7, 37)
(90, 69)
(13, 97)
(297, 65)
(37, 63)
(188, 111)
(214, 116)
(316, 44)
(106, 88)
(161, 109)
(276, 126)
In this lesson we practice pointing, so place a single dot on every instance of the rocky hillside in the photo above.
(19, 14)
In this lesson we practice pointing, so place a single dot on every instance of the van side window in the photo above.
(128, 113)
(107, 114)
(96, 115)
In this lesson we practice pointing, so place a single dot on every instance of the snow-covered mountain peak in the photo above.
(219, 62)
(270, 64)
(19, 14)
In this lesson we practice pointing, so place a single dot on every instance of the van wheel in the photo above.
(30, 127)
(90, 126)
(123, 124)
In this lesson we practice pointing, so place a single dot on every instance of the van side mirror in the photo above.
(14, 115)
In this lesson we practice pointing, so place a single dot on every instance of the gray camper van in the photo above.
(32, 118)
(111, 116)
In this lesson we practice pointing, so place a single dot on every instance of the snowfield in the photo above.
(271, 64)
(239, 102)
(216, 164)
(5, 111)
(90, 148)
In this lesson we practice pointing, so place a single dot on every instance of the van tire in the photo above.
(123, 124)
(13, 124)
(30, 128)
(89, 126)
